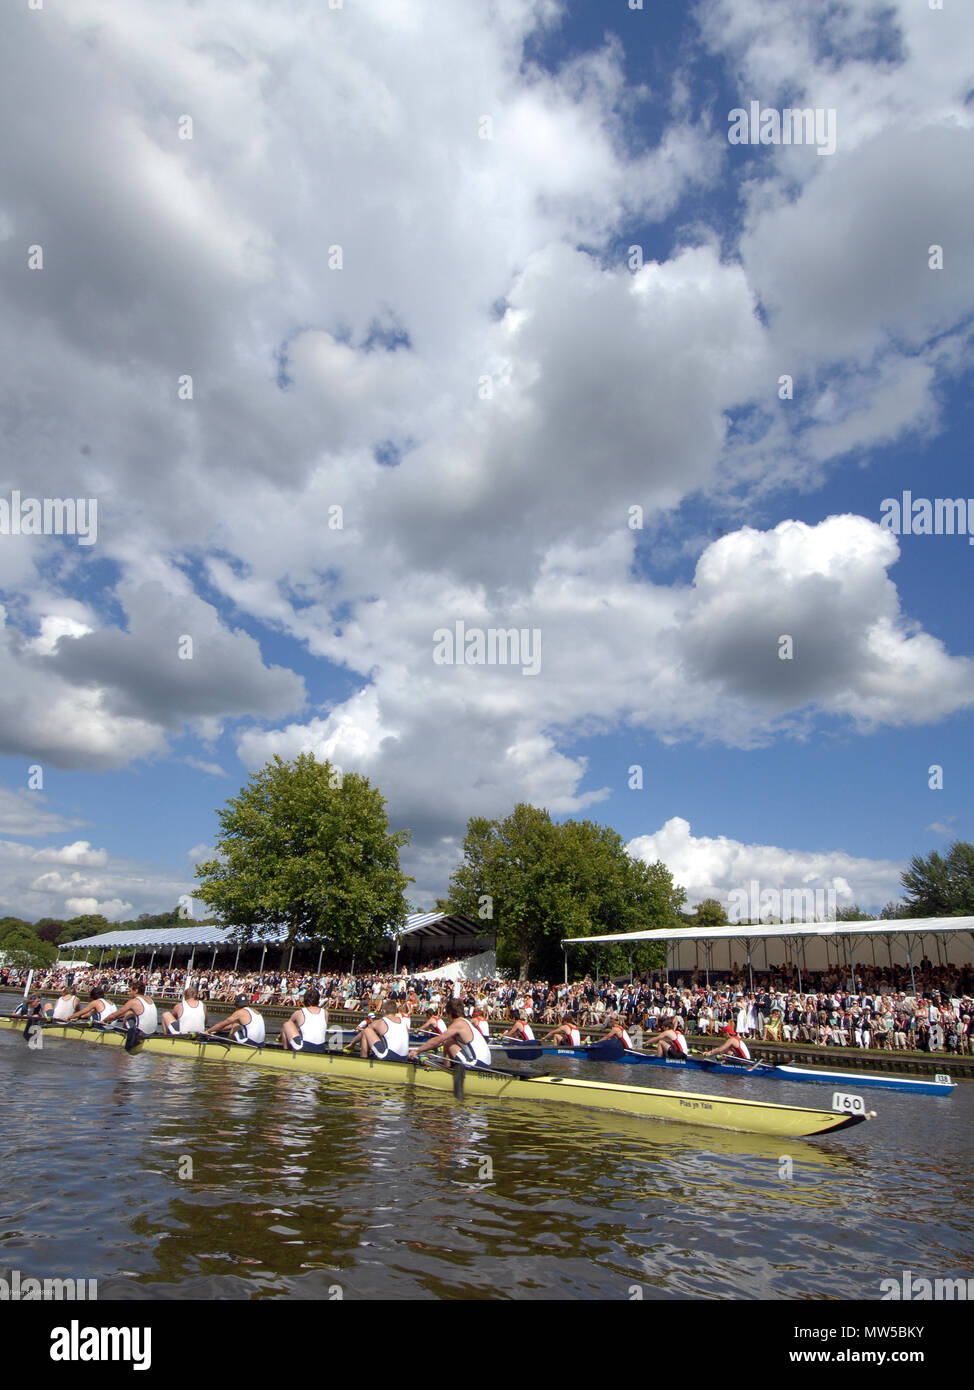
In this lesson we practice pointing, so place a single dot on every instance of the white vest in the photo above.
(313, 1026)
(64, 1008)
(148, 1018)
(256, 1033)
(478, 1045)
(396, 1036)
(193, 1018)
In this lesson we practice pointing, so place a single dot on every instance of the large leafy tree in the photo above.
(941, 885)
(538, 882)
(307, 849)
(710, 913)
(21, 946)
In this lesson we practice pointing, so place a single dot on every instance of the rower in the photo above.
(306, 1029)
(479, 1020)
(520, 1030)
(188, 1016)
(566, 1033)
(138, 1013)
(671, 1042)
(245, 1024)
(434, 1024)
(462, 1042)
(617, 1029)
(732, 1046)
(387, 1039)
(65, 1006)
(95, 1011)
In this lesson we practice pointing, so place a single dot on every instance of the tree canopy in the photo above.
(941, 886)
(536, 882)
(309, 849)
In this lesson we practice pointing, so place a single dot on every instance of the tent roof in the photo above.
(434, 925)
(741, 931)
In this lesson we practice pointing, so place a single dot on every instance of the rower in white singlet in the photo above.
(66, 1006)
(307, 1028)
(479, 1020)
(245, 1024)
(138, 1012)
(464, 1044)
(188, 1016)
(387, 1039)
(97, 1010)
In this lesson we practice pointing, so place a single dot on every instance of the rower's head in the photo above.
(67, 992)
(97, 993)
(189, 993)
(240, 1001)
(454, 1009)
(390, 1007)
(311, 997)
(137, 986)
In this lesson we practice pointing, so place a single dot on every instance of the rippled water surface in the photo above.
(166, 1178)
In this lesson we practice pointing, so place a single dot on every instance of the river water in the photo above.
(164, 1178)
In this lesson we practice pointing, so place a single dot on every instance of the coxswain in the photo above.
(306, 1029)
(520, 1030)
(670, 1042)
(66, 1005)
(566, 1033)
(34, 1007)
(462, 1042)
(245, 1024)
(138, 1013)
(188, 1016)
(732, 1045)
(387, 1039)
(95, 1011)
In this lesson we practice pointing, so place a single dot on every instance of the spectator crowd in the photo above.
(879, 1007)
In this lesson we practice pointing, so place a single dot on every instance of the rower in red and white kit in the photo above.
(565, 1035)
(617, 1029)
(520, 1030)
(434, 1024)
(732, 1046)
(670, 1042)
(479, 1020)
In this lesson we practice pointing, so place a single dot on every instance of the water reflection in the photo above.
(171, 1178)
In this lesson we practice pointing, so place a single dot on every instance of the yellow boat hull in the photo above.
(682, 1107)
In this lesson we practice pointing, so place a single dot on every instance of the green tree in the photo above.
(307, 849)
(941, 886)
(540, 882)
(852, 914)
(710, 913)
(21, 946)
(90, 924)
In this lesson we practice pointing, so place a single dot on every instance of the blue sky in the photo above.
(430, 385)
